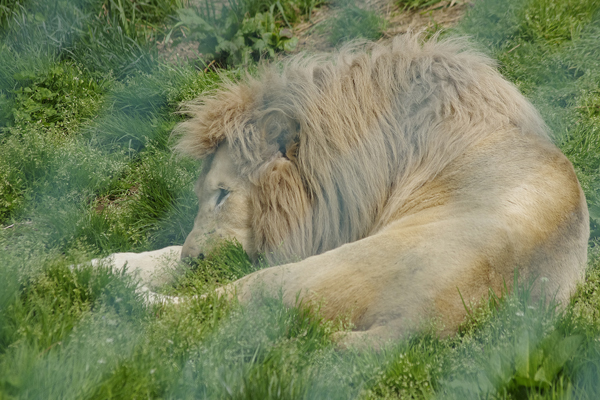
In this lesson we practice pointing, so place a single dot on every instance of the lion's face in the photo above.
(224, 207)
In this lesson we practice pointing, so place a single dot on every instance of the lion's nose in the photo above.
(186, 253)
(191, 247)
(191, 250)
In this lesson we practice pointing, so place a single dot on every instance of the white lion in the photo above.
(403, 176)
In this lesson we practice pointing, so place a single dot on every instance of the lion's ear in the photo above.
(281, 209)
(280, 132)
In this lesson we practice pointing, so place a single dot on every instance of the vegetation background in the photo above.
(87, 103)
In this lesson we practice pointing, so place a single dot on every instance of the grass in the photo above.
(86, 110)
(353, 21)
(416, 4)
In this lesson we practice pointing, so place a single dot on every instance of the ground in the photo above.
(441, 15)
(87, 169)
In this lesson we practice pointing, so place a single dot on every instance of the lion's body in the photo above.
(450, 243)
(400, 176)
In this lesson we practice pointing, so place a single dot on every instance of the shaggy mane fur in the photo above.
(336, 144)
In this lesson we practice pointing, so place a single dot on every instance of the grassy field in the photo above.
(86, 109)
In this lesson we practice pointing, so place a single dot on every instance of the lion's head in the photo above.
(250, 188)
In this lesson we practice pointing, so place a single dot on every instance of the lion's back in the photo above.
(516, 201)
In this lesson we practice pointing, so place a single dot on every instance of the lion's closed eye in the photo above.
(223, 194)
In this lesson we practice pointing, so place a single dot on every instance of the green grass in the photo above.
(353, 21)
(416, 4)
(86, 110)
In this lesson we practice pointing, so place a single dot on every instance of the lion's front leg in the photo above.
(153, 268)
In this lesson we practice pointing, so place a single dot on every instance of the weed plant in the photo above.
(239, 31)
(86, 110)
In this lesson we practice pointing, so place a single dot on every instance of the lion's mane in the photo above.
(335, 144)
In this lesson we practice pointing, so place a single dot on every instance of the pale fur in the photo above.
(412, 170)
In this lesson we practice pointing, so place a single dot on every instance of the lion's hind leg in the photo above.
(393, 282)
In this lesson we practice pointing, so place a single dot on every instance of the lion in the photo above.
(389, 183)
